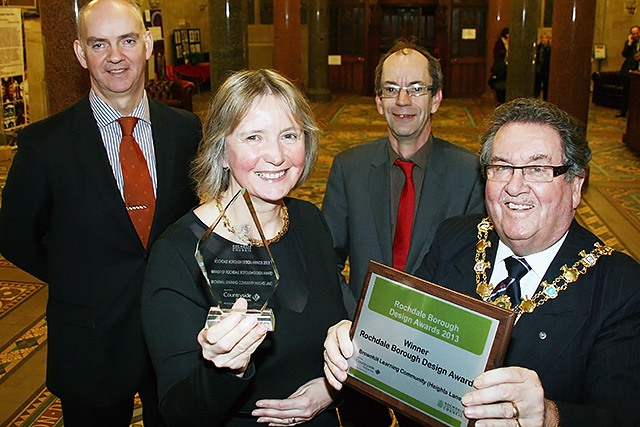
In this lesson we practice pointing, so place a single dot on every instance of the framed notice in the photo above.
(30, 7)
(419, 346)
(600, 51)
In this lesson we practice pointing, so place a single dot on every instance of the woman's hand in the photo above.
(337, 349)
(511, 396)
(230, 343)
(307, 402)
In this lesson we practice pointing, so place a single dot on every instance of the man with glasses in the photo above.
(373, 211)
(365, 185)
(574, 354)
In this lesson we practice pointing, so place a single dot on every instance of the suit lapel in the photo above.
(165, 138)
(434, 187)
(91, 154)
(379, 189)
(544, 334)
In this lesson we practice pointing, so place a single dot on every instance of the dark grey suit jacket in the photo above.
(64, 221)
(357, 205)
(584, 345)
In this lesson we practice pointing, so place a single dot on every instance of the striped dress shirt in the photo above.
(106, 118)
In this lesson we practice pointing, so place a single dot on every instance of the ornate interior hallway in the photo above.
(610, 207)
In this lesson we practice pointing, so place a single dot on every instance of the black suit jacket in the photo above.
(357, 205)
(64, 221)
(630, 62)
(584, 345)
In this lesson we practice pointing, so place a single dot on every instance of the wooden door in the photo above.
(407, 22)
(465, 71)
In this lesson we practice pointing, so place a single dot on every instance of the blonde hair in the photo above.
(228, 107)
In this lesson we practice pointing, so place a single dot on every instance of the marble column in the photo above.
(228, 31)
(570, 68)
(318, 19)
(66, 80)
(497, 19)
(286, 39)
(524, 16)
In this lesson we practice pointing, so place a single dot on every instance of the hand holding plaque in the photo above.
(236, 262)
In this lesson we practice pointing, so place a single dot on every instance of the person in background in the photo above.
(67, 218)
(574, 354)
(366, 204)
(631, 55)
(543, 60)
(498, 78)
(260, 135)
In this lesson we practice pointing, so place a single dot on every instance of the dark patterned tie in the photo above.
(404, 224)
(516, 269)
(139, 196)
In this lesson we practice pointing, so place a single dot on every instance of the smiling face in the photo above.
(408, 118)
(114, 46)
(530, 217)
(266, 152)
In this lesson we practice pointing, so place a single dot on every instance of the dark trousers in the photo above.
(77, 414)
(541, 85)
(626, 87)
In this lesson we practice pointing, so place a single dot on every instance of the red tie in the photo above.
(138, 188)
(404, 224)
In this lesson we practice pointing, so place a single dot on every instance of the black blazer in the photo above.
(630, 62)
(64, 221)
(584, 345)
(357, 205)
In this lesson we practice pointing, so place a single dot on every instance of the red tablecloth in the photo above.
(200, 71)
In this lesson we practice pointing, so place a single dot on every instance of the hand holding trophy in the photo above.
(236, 262)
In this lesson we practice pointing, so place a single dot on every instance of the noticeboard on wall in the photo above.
(29, 7)
(185, 42)
(600, 51)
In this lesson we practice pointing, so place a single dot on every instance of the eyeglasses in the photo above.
(414, 90)
(533, 173)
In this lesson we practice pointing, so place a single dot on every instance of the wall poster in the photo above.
(12, 70)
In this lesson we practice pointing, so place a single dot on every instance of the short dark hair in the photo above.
(403, 44)
(504, 32)
(575, 148)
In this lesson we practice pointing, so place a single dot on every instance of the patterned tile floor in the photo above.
(611, 208)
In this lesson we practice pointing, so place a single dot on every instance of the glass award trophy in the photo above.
(236, 262)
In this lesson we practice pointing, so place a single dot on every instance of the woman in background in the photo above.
(543, 58)
(498, 79)
(260, 135)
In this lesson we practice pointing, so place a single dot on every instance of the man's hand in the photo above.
(337, 349)
(509, 393)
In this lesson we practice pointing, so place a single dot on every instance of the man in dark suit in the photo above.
(574, 354)
(64, 219)
(364, 186)
(631, 55)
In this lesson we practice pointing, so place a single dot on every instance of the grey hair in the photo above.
(575, 147)
(228, 107)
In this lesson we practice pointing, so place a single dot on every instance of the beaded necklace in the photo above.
(244, 235)
(548, 291)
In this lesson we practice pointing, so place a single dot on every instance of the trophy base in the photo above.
(265, 317)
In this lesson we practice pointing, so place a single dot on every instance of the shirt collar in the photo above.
(539, 261)
(420, 158)
(108, 114)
